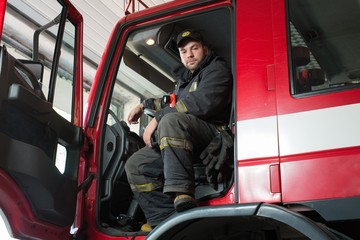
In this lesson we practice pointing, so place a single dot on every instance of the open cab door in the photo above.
(40, 126)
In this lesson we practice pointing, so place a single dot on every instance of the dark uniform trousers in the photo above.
(156, 175)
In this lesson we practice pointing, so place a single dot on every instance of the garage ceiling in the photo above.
(99, 19)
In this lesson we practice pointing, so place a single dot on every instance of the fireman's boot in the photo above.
(184, 202)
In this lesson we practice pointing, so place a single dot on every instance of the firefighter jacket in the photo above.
(205, 93)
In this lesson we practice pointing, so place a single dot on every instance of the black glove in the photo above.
(215, 155)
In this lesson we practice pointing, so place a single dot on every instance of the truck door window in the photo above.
(18, 38)
(324, 45)
(65, 75)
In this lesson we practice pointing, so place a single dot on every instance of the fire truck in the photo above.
(296, 120)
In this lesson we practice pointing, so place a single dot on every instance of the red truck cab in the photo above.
(295, 172)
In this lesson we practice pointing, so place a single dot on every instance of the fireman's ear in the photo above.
(206, 49)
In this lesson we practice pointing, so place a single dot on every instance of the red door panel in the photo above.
(319, 140)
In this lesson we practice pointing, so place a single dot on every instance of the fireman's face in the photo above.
(192, 53)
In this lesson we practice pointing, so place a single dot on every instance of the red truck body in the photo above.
(296, 104)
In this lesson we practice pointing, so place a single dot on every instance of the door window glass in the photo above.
(324, 38)
(63, 96)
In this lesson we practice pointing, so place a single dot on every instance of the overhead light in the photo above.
(150, 41)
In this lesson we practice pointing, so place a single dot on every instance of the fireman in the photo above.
(162, 178)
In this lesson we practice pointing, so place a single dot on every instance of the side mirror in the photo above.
(37, 68)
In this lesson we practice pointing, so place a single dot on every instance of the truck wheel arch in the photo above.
(229, 221)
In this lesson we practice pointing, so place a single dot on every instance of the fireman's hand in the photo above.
(215, 155)
(149, 131)
(135, 113)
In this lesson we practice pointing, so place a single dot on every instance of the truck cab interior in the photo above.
(145, 71)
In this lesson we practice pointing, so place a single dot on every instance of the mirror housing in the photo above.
(36, 67)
